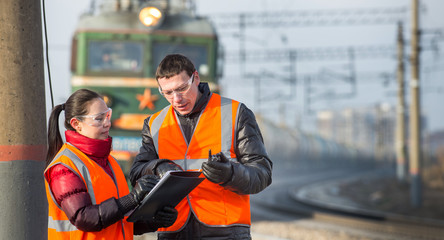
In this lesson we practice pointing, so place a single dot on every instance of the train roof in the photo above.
(127, 21)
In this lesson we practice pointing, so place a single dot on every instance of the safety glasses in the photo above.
(178, 91)
(96, 120)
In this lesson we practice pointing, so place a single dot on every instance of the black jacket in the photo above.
(251, 175)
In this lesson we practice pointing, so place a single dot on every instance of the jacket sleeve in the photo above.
(253, 169)
(71, 194)
(147, 159)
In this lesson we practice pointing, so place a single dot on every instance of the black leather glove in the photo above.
(165, 217)
(143, 186)
(166, 166)
(217, 169)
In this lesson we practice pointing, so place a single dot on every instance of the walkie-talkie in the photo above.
(212, 158)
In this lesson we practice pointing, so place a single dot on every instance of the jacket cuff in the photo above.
(126, 203)
(109, 212)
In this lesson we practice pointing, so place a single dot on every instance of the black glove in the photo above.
(218, 168)
(166, 166)
(143, 186)
(165, 217)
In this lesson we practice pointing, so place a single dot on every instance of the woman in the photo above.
(87, 193)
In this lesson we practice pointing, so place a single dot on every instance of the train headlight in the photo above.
(150, 16)
(108, 100)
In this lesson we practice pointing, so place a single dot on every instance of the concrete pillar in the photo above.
(23, 204)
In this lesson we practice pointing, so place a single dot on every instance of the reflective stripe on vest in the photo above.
(226, 115)
(66, 225)
(59, 226)
(83, 171)
(226, 134)
(215, 130)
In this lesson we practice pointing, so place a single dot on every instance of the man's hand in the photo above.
(166, 166)
(217, 169)
(165, 217)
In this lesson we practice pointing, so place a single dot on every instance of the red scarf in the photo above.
(96, 149)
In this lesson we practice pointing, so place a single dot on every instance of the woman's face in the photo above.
(96, 123)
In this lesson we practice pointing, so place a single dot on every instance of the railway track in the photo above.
(279, 204)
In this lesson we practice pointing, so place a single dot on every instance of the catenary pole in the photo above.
(415, 123)
(400, 145)
(23, 205)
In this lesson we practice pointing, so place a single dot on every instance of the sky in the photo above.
(270, 77)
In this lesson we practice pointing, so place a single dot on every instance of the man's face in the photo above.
(181, 91)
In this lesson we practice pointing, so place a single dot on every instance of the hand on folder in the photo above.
(158, 205)
(166, 165)
(143, 186)
(165, 217)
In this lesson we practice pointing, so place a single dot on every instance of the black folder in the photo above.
(169, 191)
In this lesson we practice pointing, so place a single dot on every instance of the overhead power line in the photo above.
(311, 54)
(310, 18)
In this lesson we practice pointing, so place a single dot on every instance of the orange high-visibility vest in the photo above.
(211, 203)
(100, 187)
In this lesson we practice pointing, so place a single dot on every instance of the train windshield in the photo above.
(106, 56)
(197, 54)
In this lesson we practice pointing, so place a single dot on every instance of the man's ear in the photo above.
(196, 78)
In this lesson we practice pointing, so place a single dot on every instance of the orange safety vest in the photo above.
(211, 203)
(100, 187)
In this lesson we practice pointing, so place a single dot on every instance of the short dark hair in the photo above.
(174, 64)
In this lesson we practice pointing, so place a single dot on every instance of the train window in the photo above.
(198, 54)
(112, 56)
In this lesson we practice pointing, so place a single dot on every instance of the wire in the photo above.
(305, 18)
(47, 54)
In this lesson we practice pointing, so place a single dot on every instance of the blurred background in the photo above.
(338, 54)
(330, 82)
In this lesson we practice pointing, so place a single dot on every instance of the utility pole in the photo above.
(352, 78)
(400, 146)
(379, 154)
(415, 120)
(307, 91)
(23, 145)
(293, 77)
(242, 51)
(258, 96)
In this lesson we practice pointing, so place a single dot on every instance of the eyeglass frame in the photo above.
(107, 117)
(178, 92)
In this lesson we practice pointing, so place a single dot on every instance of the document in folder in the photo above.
(169, 191)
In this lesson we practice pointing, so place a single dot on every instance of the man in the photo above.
(182, 135)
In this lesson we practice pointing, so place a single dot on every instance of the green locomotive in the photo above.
(116, 50)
